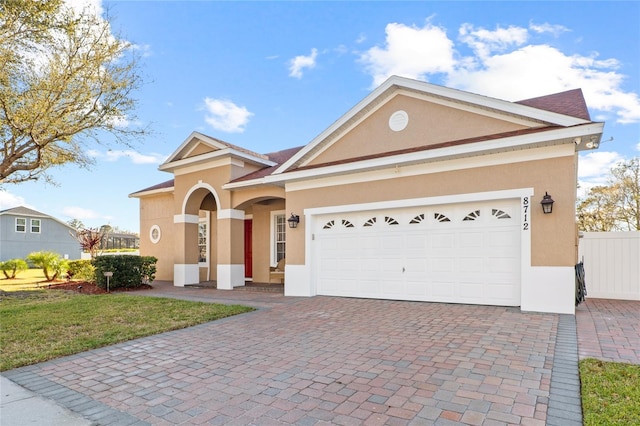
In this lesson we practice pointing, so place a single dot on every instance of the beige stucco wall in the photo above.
(158, 210)
(226, 246)
(262, 238)
(429, 124)
(552, 236)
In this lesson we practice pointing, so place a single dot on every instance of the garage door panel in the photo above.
(348, 243)
(370, 242)
(470, 265)
(506, 291)
(502, 265)
(417, 265)
(470, 240)
(347, 265)
(417, 288)
(368, 288)
(392, 242)
(503, 238)
(443, 265)
(392, 286)
(470, 291)
(429, 254)
(392, 265)
(417, 241)
(443, 291)
(442, 241)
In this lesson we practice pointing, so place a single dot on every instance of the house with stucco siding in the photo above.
(419, 192)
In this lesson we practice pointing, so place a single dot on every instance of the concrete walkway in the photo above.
(321, 360)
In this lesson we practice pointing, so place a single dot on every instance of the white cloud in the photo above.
(90, 218)
(225, 115)
(143, 49)
(555, 30)
(80, 213)
(484, 42)
(135, 157)
(503, 63)
(411, 52)
(594, 169)
(299, 63)
(119, 121)
(595, 164)
(9, 201)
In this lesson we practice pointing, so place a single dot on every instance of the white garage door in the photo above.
(462, 253)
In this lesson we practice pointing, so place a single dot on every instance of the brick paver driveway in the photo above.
(319, 360)
(609, 330)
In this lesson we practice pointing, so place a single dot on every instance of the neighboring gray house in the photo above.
(23, 230)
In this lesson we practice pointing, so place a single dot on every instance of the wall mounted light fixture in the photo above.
(547, 203)
(293, 221)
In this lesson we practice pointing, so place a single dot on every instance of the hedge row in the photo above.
(127, 271)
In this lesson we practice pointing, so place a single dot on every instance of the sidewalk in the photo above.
(19, 406)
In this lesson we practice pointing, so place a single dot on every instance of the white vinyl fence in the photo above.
(611, 264)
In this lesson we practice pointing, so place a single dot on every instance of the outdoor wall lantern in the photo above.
(547, 203)
(293, 221)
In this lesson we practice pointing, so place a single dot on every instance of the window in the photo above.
(21, 224)
(35, 226)
(202, 242)
(278, 236)
(155, 234)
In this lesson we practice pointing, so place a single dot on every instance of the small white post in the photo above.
(108, 274)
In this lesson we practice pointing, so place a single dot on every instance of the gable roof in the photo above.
(570, 103)
(180, 156)
(25, 211)
(277, 157)
(559, 116)
(521, 112)
(166, 186)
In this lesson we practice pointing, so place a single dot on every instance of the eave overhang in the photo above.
(591, 132)
(215, 155)
(140, 194)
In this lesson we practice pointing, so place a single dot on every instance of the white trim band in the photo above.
(185, 218)
(231, 214)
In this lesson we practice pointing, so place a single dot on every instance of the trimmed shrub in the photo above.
(81, 270)
(128, 271)
(10, 268)
(51, 263)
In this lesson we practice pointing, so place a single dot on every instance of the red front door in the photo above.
(248, 249)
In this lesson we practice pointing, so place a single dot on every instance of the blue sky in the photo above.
(273, 75)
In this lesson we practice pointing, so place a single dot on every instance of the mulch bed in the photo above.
(85, 287)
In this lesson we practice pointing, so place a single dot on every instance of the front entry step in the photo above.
(248, 286)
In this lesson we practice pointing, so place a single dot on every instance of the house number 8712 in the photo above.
(525, 214)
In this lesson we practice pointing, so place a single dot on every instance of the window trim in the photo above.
(39, 226)
(272, 235)
(24, 230)
(155, 240)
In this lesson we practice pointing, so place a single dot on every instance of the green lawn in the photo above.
(37, 326)
(610, 393)
(25, 280)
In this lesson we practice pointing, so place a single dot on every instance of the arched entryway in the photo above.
(210, 240)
